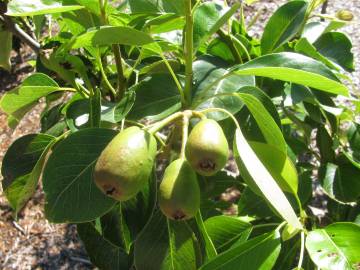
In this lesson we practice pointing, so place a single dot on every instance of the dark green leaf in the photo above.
(112, 227)
(225, 231)
(51, 117)
(337, 47)
(353, 135)
(77, 113)
(22, 167)
(251, 204)
(259, 253)
(165, 245)
(210, 92)
(157, 97)
(71, 194)
(116, 112)
(341, 182)
(217, 184)
(138, 211)
(305, 47)
(325, 145)
(283, 25)
(102, 253)
(209, 18)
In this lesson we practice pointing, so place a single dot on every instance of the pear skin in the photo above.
(126, 164)
(207, 149)
(179, 192)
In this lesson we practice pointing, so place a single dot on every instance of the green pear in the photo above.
(207, 149)
(126, 164)
(179, 193)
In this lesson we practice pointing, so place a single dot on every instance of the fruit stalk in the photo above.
(185, 132)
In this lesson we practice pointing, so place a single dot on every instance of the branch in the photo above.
(188, 51)
(17, 31)
(121, 87)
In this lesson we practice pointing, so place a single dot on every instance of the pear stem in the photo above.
(161, 124)
(185, 131)
(172, 118)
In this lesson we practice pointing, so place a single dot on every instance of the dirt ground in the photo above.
(34, 243)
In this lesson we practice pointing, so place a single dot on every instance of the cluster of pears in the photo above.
(126, 164)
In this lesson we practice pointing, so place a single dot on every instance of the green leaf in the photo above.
(71, 194)
(157, 6)
(270, 130)
(220, 49)
(165, 245)
(210, 250)
(325, 145)
(296, 68)
(108, 35)
(210, 91)
(288, 255)
(224, 231)
(6, 38)
(160, 67)
(279, 165)
(138, 211)
(113, 228)
(78, 112)
(335, 247)
(353, 136)
(305, 47)
(251, 204)
(116, 112)
(209, 18)
(214, 186)
(22, 167)
(259, 253)
(19, 101)
(102, 253)
(263, 179)
(341, 182)
(337, 47)
(50, 117)
(156, 97)
(283, 25)
(37, 7)
(165, 23)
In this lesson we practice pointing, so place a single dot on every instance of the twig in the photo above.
(188, 51)
(324, 8)
(121, 87)
(18, 227)
(17, 31)
(77, 259)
